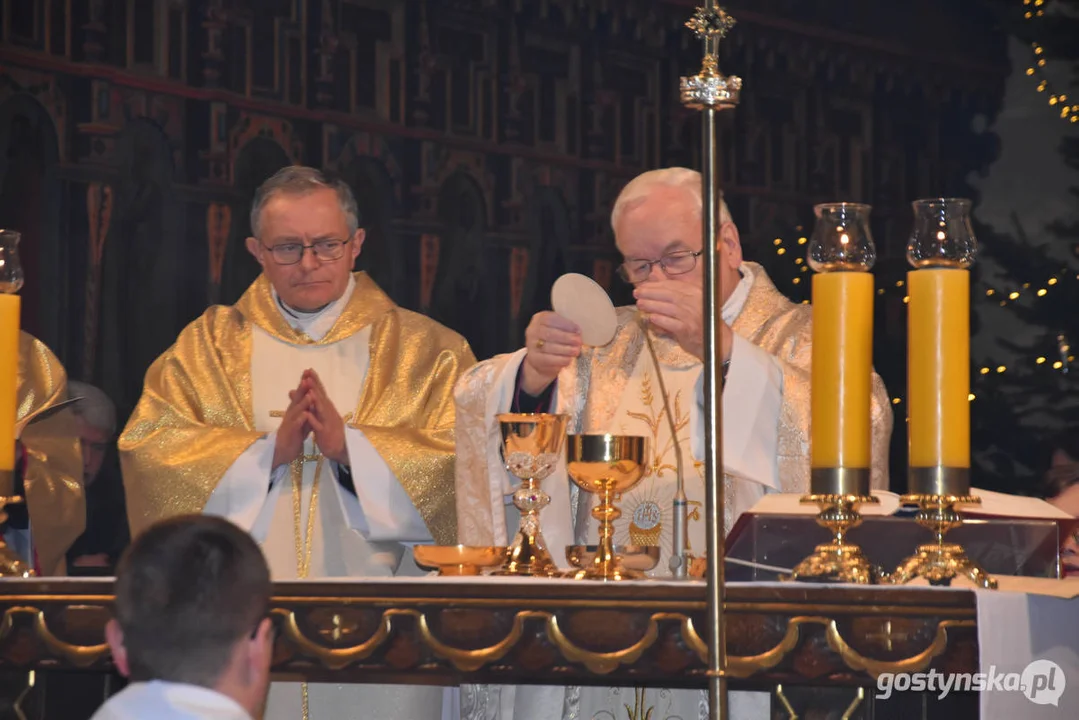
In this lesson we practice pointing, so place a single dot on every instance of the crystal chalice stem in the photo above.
(531, 447)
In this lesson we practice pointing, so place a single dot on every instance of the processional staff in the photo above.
(710, 92)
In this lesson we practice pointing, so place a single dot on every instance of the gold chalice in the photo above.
(531, 447)
(607, 465)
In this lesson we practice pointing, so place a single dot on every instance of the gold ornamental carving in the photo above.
(81, 656)
(472, 659)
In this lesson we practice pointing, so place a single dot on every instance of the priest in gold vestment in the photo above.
(49, 476)
(765, 344)
(314, 413)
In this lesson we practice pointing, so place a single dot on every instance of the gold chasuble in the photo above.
(195, 417)
(53, 475)
(613, 389)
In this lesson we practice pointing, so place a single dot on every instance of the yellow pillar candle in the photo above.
(9, 377)
(842, 371)
(938, 380)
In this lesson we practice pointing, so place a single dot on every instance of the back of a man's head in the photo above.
(188, 589)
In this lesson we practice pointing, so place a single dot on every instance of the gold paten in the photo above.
(459, 559)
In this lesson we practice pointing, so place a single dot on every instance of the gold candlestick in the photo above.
(941, 248)
(711, 92)
(842, 253)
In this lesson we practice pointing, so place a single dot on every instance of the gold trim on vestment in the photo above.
(194, 419)
(54, 495)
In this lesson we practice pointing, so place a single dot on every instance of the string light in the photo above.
(1039, 290)
(1042, 288)
(1068, 111)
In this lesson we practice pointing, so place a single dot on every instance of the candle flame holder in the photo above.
(941, 249)
(838, 561)
(940, 562)
(842, 253)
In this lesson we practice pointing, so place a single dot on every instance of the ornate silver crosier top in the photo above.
(709, 88)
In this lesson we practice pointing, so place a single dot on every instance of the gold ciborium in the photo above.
(607, 465)
(531, 448)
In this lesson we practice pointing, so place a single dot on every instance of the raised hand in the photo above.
(676, 309)
(552, 342)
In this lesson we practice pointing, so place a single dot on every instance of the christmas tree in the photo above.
(1027, 285)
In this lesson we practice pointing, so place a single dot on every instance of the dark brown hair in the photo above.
(187, 590)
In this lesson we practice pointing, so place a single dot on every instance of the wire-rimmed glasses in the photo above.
(673, 263)
(290, 253)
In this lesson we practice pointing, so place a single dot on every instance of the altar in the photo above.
(815, 648)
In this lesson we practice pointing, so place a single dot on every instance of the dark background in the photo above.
(485, 141)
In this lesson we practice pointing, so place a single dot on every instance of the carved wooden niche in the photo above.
(144, 268)
(551, 235)
(464, 93)
(366, 40)
(549, 108)
(255, 162)
(625, 117)
(264, 49)
(380, 256)
(464, 295)
(30, 203)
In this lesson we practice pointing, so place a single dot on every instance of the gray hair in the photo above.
(95, 407)
(300, 180)
(640, 187)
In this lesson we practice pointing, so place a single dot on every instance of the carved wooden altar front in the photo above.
(807, 644)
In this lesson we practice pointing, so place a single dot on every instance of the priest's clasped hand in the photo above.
(676, 309)
(310, 411)
(551, 343)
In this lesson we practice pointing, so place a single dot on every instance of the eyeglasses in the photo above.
(675, 263)
(292, 253)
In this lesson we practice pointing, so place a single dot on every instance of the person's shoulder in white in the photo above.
(159, 700)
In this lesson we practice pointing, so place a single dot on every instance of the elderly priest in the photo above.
(314, 413)
(765, 347)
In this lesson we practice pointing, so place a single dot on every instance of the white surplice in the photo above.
(751, 400)
(170, 701)
(369, 534)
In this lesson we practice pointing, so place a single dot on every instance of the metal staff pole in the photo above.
(710, 92)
